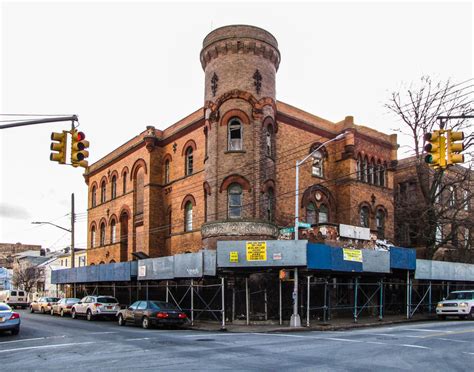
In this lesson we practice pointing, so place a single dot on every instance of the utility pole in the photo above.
(73, 218)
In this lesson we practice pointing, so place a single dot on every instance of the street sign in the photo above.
(354, 255)
(287, 230)
(304, 224)
(233, 256)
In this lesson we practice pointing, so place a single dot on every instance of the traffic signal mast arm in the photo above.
(40, 121)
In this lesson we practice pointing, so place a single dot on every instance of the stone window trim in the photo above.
(270, 121)
(136, 166)
(112, 174)
(268, 184)
(189, 143)
(188, 198)
(239, 114)
(235, 178)
(206, 187)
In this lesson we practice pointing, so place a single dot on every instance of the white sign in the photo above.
(141, 270)
(277, 256)
(354, 232)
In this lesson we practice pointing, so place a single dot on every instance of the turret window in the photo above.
(235, 201)
(234, 135)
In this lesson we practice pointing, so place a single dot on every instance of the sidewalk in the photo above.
(340, 324)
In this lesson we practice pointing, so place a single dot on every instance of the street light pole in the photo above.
(295, 320)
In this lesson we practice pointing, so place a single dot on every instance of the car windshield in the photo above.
(52, 299)
(4, 307)
(107, 300)
(460, 296)
(161, 305)
(72, 300)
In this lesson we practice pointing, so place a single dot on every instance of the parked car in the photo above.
(458, 303)
(63, 306)
(43, 304)
(150, 313)
(95, 306)
(9, 320)
(14, 298)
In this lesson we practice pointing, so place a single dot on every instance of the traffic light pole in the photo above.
(73, 218)
(40, 121)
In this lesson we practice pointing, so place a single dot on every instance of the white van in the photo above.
(15, 298)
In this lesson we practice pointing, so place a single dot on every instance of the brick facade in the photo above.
(244, 145)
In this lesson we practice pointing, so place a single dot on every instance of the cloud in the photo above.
(13, 211)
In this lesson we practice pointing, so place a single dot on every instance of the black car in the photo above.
(150, 313)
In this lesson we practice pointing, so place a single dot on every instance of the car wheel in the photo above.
(442, 317)
(121, 320)
(15, 331)
(73, 314)
(145, 323)
(89, 315)
(43, 311)
(31, 309)
(471, 314)
(52, 312)
(61, 312)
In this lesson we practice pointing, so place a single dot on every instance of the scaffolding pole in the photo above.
(266, 303)
(408, 296)
(192, 301)
(325, 301)
(223, 303)
(247, 301)
(429, 299)
(381, 299)
(308, 300)
(279, 300)
(167, 292)
(356, 290)
(233, 303)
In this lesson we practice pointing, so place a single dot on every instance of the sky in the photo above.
(121, 66)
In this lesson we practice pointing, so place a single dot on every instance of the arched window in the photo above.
(102, 234)
(112, 261)
(103, 191)
(113, 231)
(139, 191)
(94, 196)
(234, 196)
(188, 216)
(380, 222)
(371, 172)
(167, 171)
(317, 169)
(269, 141)
(93, 237)
(377, 173)
(382, 174)
(189, 161)
(311, 213)
(114, 187)
(365, 169)
(364, 216)
(270, 202)
(234, 135)
(359, 168)
(125, 182)
(323, 215)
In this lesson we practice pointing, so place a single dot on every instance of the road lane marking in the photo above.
(415, 346)
(426, 330)
(341, 339)
(392, 335)
(376, 343)
(47, 346)
(31, 339)
(451, 340)
(101, 333)
(137, 339)
(465, 352)
(449, 333)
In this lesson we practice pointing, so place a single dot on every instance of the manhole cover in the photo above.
(205, 339)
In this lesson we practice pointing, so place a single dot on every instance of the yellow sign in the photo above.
(256, 251)
(352, 255)
(233, 256)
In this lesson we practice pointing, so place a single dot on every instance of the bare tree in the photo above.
(433, 219)
(26, 277)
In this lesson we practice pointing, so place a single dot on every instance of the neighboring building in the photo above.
(449, 228)
(7, 251)
(227, 170)
(5, 278)
(80, 258)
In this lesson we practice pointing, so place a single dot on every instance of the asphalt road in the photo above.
(54, 343)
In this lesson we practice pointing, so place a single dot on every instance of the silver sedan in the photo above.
(9, 320)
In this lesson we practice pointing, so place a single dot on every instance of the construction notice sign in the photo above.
(256, 251)
(352, 255)
(233, 256)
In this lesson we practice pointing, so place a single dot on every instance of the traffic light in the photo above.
(455, 148)
(58, 145)
(436, 149)
(79, 147)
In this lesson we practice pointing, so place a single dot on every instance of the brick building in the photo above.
(9, 250)
(227, 170)
(437, 218)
